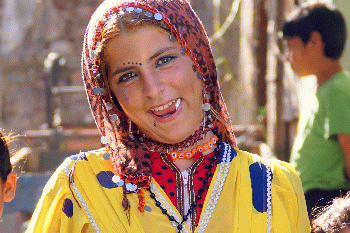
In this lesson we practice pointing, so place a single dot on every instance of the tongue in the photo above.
(162, 113)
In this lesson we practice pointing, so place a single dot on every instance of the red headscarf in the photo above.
(132, 161)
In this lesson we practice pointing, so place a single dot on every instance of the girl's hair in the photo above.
(122, 23)
(5, 163)
(333, 218)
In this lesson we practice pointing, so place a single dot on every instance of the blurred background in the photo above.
(42, 96)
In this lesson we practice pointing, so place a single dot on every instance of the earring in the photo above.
(131, 136)
(206, 105)
(207, 109)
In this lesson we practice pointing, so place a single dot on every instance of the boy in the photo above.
(315, 39)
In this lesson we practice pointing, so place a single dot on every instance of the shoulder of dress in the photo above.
(100, 154)
(227, 151)
(286, 168)
(97, 159)
(248, 157)
(276, 166)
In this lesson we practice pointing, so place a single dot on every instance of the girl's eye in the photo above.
(127, 77)
(164, 60)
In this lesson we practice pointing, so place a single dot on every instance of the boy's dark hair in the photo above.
(323, 18)
(5, 163)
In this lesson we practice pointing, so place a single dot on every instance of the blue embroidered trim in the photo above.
(233, 153)
(80, 156)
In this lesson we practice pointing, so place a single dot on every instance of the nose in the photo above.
(153, 84)
(287, 54)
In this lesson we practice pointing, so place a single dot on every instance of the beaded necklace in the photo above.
(174, 155)
(199, 196)
(196, 136)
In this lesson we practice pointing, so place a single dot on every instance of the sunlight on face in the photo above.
(155, 84)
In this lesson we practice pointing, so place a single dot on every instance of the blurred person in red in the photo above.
(314, 36)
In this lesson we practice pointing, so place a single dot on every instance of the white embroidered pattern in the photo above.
(81, 199)
(159, 197)
(219, 183)
(269, 204)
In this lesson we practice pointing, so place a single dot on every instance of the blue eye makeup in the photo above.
(128, 76)
(164, 60)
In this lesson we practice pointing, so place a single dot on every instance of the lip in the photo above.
(169, 117)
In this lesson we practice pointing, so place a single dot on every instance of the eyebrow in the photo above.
(124, 69)
(163, 50)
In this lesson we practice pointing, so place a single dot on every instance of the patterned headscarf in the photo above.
(132, 161)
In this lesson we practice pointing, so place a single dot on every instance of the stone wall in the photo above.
(30, 30)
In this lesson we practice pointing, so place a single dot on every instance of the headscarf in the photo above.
(131, 159)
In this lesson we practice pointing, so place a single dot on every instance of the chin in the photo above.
(174, 139)
(176, 136)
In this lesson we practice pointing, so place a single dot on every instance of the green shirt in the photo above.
(317, 154)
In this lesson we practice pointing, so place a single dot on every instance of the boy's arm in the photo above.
(344, 141)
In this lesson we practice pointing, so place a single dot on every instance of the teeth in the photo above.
(165, 106)
(177, 104)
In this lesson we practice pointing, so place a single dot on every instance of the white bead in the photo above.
(206, 107)
(114, 117)
(138, 10)
(109, 106)
(96, 90)
(158, 16)
(131, 187)
(104, 139)
(115, 179)
(130, 9)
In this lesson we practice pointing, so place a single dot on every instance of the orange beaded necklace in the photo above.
(188, 155)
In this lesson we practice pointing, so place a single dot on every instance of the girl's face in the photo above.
(7, 190)
(155, 84)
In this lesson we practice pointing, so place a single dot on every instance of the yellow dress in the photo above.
(232, 203)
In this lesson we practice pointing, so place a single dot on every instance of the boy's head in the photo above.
(7, 177)
(312, 33)
(320, 17)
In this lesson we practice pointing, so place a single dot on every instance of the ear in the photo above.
(316, 38)
(10, 187)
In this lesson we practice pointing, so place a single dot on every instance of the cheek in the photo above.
(129, 99)
(124, 96)
(194, 90)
